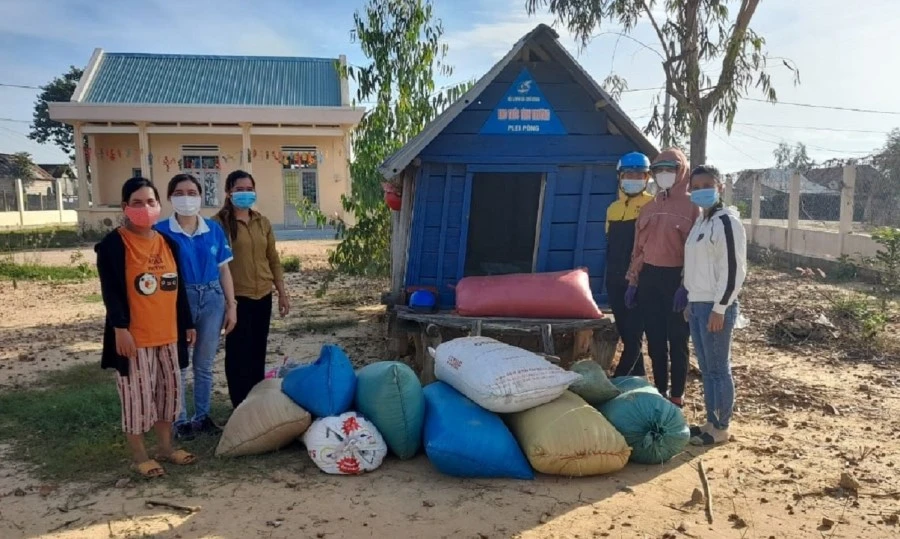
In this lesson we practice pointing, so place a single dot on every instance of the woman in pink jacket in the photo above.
(655, 274)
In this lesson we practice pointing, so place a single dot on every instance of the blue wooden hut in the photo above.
(513, 177)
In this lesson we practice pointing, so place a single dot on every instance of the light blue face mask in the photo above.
(633, 187)
(705, 198)
(243, 199)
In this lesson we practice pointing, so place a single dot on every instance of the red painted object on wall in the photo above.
(560, 294)
(393, 200)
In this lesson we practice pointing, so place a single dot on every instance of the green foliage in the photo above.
(866, 315)
(43, 129)
(403, 45)
(38, 272)
(794, 158)
(887, 259)
(695, 40)
(46, 238)
(22, 167)
(846, 270)
(290, 264)
(743, 207)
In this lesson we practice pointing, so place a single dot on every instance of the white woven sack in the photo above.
(267, 420)
(499, 377)
(346, 444)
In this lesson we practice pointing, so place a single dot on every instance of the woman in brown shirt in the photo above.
(255, 269)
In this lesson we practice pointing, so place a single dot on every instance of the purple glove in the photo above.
(631, 297)
(681, 300)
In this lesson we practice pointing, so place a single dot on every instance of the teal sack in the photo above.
(594, 387)
(627, 383)
(388, 394)
(653, 427)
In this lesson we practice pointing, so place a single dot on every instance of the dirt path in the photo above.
(803, 418)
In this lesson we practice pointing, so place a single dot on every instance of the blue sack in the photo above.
(390, 395)
(324, 388)
(628, 383)
(464, 440)
(653, 427)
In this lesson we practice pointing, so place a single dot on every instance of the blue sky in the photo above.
(844, 56)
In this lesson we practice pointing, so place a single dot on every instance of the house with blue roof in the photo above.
(286, 120)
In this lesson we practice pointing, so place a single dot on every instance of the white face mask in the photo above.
(186, 205)
(665, 180)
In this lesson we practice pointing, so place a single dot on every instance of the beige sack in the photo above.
(569, 437)
(266, 421)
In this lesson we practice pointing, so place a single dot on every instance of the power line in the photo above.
(14, 120)
(745, 154)
(23, 86)
(829, 107)
(856, 152)
(811, 128)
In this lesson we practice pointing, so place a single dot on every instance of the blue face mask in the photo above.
(243, 199)
(705, 198)
(633, 187)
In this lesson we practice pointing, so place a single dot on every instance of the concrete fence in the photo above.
(814, 239)
(21, 216)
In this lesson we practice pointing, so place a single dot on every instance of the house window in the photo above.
(202, 162)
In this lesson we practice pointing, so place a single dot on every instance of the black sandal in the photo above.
(703, 439)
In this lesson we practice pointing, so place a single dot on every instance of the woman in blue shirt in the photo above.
(204, 254)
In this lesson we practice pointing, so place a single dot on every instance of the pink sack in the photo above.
(560, 294)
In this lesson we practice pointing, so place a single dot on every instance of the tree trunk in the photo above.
(699, 134)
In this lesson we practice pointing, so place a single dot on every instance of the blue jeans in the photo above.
(714, 356)
(208, 309)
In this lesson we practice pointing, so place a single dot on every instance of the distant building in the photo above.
(65, 173)
(39, 189)
(817, 202)
(286, 120)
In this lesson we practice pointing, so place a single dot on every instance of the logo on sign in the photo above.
(523, 110)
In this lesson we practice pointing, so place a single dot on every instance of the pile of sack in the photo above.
(359, 415)
(495, 411)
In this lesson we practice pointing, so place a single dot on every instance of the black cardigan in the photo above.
(111, 268)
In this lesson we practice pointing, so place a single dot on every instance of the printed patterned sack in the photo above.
(345, 445)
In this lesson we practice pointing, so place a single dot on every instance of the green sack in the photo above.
(654, 428)
(629, 383)
(594, 386)
(388, 394)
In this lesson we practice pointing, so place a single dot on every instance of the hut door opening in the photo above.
(502, 223)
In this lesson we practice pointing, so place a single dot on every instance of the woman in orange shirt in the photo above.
(148, 325)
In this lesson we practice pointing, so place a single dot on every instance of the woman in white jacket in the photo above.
(715, 265)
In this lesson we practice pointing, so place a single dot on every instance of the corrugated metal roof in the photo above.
(176, 79)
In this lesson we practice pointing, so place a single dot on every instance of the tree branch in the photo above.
(735, 43)
(669, 61)
(639, 42)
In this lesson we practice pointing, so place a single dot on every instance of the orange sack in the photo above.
(560, 294)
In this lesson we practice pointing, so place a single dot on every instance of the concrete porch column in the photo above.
(144, 144)
(81, 165)
(95, 171)
(246, 158)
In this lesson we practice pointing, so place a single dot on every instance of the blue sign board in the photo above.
(523, 110)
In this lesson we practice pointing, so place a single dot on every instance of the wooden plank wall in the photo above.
(580, 182)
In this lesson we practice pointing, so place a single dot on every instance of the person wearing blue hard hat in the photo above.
(634, 172)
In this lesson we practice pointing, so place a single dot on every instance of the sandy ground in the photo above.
(805, 415)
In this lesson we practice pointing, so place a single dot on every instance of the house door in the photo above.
(503, 221)
(300, 187)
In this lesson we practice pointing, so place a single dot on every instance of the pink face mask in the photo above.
(144, 217)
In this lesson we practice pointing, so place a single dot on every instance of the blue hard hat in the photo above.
(634, 161)
(423, 300)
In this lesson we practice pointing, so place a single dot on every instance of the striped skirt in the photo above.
(150, 392)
